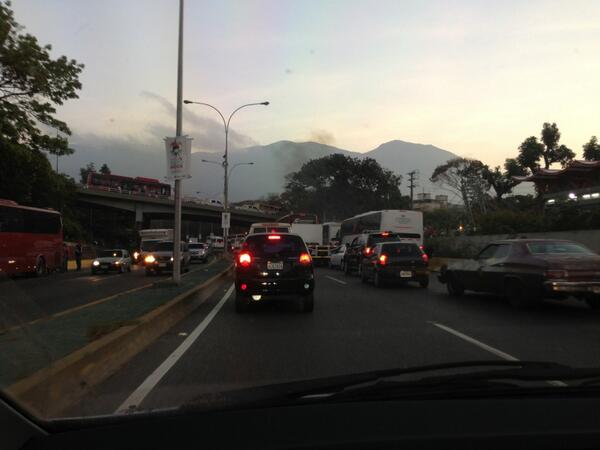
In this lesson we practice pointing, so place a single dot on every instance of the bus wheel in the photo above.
(40, 268)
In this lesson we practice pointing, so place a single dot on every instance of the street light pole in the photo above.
(178, 133)
(225, 156)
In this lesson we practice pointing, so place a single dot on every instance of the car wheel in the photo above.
(517, 295)
(93, 271)
(40, 268)
(241, 303)
(121, 269)
(308, 303)
(593, 301)
(377, 281)
(128, 267)
(346, 268)
(148, 273)
(424, 282)
(363, 276)
(455, 288)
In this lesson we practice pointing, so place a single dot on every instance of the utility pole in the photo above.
(412, 175)
(178, 133)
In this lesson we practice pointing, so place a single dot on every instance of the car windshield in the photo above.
(356, 185)
(557, 248)
(274, 245)
(111, 254)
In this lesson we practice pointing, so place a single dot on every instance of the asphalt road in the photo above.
(354, 327)
(26, 299)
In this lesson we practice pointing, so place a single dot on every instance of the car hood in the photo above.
(571, 261)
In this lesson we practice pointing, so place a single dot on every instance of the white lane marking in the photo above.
(138, 396)
(487, 348)
(335, 279)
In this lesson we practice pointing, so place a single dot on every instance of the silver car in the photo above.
(117, 260)
(161, 258)
(198, 251)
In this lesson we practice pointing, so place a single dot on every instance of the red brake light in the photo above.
(425, 258)
(243, 286)
(244, 259)
(305, 258)
(274, 237)
(385, 233)
(383, 259)
(368, 250)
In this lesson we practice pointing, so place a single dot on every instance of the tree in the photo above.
(465, 178)
(32, 84)
(104, 169)
(338, 186)
(548, 150)
(85, 171)
(503, 182)
(591, 150)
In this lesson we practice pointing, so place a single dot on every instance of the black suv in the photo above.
(396, 262)
(362, 247)
(275, 265)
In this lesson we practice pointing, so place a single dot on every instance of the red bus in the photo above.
(31, 239)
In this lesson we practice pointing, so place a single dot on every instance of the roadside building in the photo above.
(426, 202)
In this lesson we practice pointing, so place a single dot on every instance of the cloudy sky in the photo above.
(472, 77)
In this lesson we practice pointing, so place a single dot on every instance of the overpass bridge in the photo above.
(138, 212)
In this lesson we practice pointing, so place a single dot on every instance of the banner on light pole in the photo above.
(225, 220)
(179, 156)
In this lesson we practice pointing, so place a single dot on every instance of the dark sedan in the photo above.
(396, 262)
(529, 270)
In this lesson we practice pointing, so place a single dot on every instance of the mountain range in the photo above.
(267, 175)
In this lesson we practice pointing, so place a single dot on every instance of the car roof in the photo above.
(402, 241)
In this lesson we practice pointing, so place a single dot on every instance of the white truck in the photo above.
(312, 234)
(149, 238)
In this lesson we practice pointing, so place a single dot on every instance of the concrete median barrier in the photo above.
(54, 388)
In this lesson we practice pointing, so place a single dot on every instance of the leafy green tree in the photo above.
(32, 84)
(531, 151)
(105, 169)
(591, 150)
(338, 186)
(85, 171)
(502, 182)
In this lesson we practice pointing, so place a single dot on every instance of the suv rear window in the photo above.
(285, 246)
(196, 245)
(401, 249)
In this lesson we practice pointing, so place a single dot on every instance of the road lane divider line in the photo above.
(487, 348)
(335, 279)
(142, 391)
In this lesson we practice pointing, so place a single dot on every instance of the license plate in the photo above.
(274, 265)
(405, 274)
(105, 266)
(162, 265)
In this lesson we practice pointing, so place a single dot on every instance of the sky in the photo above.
(472, 77)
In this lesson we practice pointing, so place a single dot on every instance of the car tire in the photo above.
(363, 277)
(128, 267)
(308, 303)
(346, 269)
(377, 281)
(424, 283)
(455, 288)
(93, 271)
(40, 268)
(148, 273)
(517, 295)
(241, 303)
(121, 269)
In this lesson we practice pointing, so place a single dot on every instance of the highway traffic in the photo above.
(355, 327)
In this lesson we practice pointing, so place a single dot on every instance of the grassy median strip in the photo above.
(28, 349)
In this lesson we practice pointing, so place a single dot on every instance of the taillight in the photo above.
(305, 258)
(383, 259)
(368, 250)
(425, 258)
(385, 233)
(244, 259)
(274, 237)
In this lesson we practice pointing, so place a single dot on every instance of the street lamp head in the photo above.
(250, 163)
(265, 103)
(187, 102)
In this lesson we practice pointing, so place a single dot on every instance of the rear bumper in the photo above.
(393, 273)
(106, 268)
(275, 286)
(158, 267)
(198, 257)
(572, 286)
